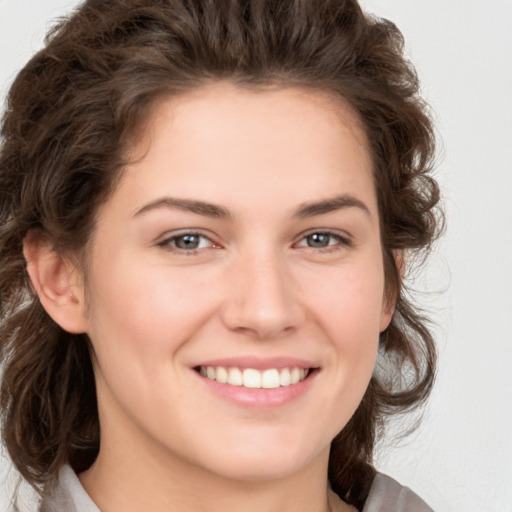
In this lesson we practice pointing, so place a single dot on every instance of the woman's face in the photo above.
(242, 245)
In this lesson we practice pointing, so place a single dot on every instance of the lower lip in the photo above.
(260, 397)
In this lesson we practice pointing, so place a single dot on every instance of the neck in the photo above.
(141, 480)
(135, 472)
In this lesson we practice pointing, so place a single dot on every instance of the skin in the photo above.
(257, 286)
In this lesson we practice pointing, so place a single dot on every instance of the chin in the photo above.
(260, 471)
(263, 463)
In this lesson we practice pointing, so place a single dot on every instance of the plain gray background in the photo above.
(460, 459)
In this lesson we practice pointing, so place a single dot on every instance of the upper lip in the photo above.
(259, 363)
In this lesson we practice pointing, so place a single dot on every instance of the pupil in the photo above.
(187, 242)
(318, 240)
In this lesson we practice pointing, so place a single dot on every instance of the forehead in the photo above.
(220, 101)
(222, 141)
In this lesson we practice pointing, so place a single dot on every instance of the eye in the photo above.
(322, 240)
(187, 242)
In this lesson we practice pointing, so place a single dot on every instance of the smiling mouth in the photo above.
(251, 378)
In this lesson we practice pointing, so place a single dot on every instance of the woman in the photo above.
(207, 210)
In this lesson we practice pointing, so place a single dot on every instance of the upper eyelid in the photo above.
(342, 234)
(166, 242)
(328, 231)
(183, 232)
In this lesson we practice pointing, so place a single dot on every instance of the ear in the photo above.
(56, 281)
(391, 297)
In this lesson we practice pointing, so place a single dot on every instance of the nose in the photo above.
(262, 298)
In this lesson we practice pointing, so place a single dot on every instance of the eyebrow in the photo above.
(330, 205)
(219, 212)
(188, 205)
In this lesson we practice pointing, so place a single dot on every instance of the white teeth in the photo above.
(270, 379)
(285, 377)
(253, 379)
(221, 374)
(235, 377)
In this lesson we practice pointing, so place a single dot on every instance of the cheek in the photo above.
(350, 311)
(353, 302)
(140, 323)
(143, 313)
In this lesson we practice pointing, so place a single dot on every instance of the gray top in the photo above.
(386, 495)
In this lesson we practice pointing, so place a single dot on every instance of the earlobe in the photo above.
(57, 283)
(399, 257)
(391, 297)
(386, 316)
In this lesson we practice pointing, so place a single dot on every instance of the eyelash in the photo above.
(341, 242)
(169, 243)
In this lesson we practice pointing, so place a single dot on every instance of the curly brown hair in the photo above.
(69, 116)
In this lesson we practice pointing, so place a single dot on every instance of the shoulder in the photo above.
(66, 494)
(387, 495)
